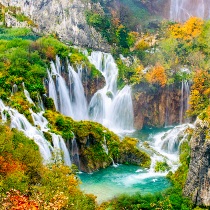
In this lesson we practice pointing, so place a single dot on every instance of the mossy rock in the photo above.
(130, 153)
(162, 166)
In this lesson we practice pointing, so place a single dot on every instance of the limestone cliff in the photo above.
(197, 186)
(155, 106)
(65, 18)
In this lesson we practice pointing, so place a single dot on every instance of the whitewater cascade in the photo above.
(108, 106)
(112, 108)
(20, 122)
(166, 145)
(184, 102)
(181, 10)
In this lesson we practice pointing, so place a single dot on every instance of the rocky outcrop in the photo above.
(156, 106)
(92, 84)
(197, 186)
(11, 21)
(130, 153)
(65, 18)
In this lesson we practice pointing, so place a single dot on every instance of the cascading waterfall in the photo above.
(58, 141)
(120, 116)
(14, 89)
(64, 104)
(108, 106)
(3, 110)
(78, 100)
(52, 89)
(20, 122)
(181, 10)
(167, 145)
(27, 95)
(69, 100)
(184, 101)
(59, 145)
(39, 120)
(105, 146)
(40, 102)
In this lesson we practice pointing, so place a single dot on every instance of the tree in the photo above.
(157, 75)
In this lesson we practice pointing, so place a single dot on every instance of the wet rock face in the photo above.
(66, 18)
(183, 9)
(156, 106)
(197, 186)
(179, 10)
(92, 84)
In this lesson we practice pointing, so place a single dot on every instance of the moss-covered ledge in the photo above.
(130, 153)
(98, 146)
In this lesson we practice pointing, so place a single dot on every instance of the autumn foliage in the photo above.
(15, 200)
(157, 75)
(200, 92)
(8, 165)
(26, 184)
(190, 29)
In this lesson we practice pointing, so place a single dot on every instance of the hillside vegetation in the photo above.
(175, 53)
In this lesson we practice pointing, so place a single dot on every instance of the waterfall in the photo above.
(14, 89)
(167, 144)
(3, 110)
(75, 153)
(27, 95)
(69, 99)
(78, 100)
(121, 113)
(184, 101)
(59, 144)
(65, 106)
(181, 10)
(20, 122)
(104, 145)
(39, 120)
(108, 106)
(52, 90)
(40, 102)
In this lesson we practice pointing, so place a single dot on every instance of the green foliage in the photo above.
(20, 160)
(11, 33)
(129, 149)
(54, 186)
(161, 166)
(179, 177)
(170, 199)
(91, 138)
(45, 42)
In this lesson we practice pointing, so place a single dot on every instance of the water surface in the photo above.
(113, 181)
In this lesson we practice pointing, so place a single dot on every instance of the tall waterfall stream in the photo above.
(114, 112)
